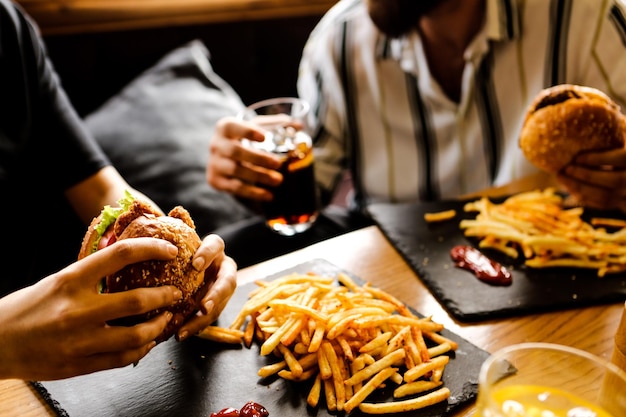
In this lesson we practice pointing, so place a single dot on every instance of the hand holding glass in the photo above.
(295, 206)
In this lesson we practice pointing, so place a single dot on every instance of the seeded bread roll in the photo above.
(567, 119)
(141, 220)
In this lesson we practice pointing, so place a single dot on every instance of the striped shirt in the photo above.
(380, 113)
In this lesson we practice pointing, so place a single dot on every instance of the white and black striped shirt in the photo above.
(382, 115)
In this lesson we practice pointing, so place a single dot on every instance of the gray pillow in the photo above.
(156, 132)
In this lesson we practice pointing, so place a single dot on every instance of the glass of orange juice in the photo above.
(549, 380)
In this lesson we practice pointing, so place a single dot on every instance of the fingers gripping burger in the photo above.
(567, 119)
(136, 218)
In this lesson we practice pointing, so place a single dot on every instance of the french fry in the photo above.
(419, 370)
(416, 387)
(318, 338)
(439, 349)
(308, 361)
(222, 335)
(385, 362)
(368, 388)
(337, 375)
(606, 222)
(302, 376)
(248, 333)
(345, 347)
(315, 392)
(324, 365)
(329, 394)
(273, 341)
(274, 368)
(439, 339)
(537, 226)
(293, 364)
(348, 340)
(439, 216)
(406, 405)
(377, 342)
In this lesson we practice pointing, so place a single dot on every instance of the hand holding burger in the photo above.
(565, 120)
(57, 327)
(578, 134)
(136, 218)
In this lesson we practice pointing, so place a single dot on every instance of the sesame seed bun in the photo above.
(566, 120)
(141, 220)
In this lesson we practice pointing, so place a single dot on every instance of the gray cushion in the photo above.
(157, 130)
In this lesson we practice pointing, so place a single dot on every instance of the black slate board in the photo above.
(426, 247)
(197, 377)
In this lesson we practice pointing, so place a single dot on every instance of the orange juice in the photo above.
(536, 401)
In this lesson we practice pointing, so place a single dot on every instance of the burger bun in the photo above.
(566, 120)
(141, 220)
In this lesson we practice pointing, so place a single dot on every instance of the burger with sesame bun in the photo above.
(136, 218)
(566, 120)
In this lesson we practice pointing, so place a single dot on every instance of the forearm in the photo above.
(105, 187)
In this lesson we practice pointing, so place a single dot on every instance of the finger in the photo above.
(230, 145)
(118, 255)
(212, 246)
(222, 289)
(250, 171)
(604, 178)
(615, 158)
(214, 302)
(116, 305)
(100, 362)
(236, 151)
(119, 338)
(591, 195)
(241, 189)
(237, 129)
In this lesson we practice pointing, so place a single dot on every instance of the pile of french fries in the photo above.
(347, 340)
(536, 227)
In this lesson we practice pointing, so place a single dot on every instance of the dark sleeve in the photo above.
(42, 132)
(44, 149)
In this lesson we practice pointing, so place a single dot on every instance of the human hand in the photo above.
(220, 269)
(597, 179)
(58, 327)
(237, 169)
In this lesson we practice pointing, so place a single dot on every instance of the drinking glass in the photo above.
(549, 380)
(295, 206)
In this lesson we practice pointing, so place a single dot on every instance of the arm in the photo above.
(596, 179)
(57, 327)
(106, 186)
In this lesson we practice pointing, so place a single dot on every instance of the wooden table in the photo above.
(367, 254)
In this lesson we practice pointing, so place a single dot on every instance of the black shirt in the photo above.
(44, 149)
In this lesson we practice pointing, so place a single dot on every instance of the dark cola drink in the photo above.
(295, 207)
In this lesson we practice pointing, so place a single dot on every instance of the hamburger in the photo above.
(567, 119)
(136, 218)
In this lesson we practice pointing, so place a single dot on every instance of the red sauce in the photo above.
(485, 269)
(249, 409)
(252, 409)
(226, 412)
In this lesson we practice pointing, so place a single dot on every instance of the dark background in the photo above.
(259, 59)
